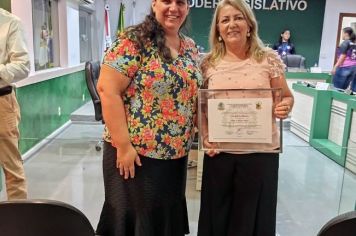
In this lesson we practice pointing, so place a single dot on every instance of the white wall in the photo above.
(73, 34)
(69, 25)
(133, 15)
(68, 12)
(143, 7)
(24, 11)
(331, 21)
(69, 46)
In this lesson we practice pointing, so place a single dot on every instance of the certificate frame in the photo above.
(241, 120)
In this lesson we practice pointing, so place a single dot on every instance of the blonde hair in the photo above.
(256, 49)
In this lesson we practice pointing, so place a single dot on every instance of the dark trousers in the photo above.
(344, 76)
(239, 195)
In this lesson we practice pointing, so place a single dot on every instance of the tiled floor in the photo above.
(312, 188)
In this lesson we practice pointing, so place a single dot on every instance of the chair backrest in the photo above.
(42, 218)
(342, 225)
(92, 71)
(294, 61)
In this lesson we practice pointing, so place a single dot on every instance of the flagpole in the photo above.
(107, 32)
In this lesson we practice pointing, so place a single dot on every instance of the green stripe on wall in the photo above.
(39, 106)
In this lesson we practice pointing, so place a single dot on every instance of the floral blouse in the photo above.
(161, 100)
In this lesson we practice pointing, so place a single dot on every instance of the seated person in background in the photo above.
(284, 45)
(344, 70)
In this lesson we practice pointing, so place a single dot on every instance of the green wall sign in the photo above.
(303, 18)
(279, 5)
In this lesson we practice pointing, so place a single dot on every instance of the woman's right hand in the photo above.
(211, 152)
(125, 161)
(333, 71)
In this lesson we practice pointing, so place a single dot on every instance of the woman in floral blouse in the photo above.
(148, 88)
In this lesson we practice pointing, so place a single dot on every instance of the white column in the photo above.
(23, 10)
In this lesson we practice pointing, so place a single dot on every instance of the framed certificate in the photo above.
(239, 120)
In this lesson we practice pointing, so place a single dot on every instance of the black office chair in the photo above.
(42, 218)
(92, 71)
(294, 61)
(342, 225)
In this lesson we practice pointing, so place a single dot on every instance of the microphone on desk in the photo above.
(347, 91)
(308, 84)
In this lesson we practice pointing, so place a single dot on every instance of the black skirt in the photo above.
(151, 204)
(239, 195)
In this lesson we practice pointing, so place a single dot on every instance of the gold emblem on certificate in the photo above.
(239, 120)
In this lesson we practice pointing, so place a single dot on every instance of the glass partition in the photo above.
(45, 34)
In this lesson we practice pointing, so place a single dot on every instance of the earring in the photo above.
(248, 34)
(219, 39)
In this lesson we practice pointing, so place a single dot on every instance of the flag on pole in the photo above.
(121, 24)
(107, 34)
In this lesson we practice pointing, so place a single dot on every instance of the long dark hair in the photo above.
(151, 31)
(348, 30)
(353, 37)
(281, 38)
